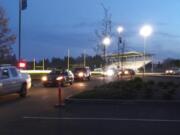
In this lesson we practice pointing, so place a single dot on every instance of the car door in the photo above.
(15, 79)
(5, 82)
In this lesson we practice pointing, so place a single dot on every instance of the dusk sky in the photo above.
(50, 27)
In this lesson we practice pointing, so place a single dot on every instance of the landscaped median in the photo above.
(135, 89)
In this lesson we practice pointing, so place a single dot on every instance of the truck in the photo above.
(12, 81)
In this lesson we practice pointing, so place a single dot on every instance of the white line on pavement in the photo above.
(101, 119)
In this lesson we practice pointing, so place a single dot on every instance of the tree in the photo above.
(6, 38)
(105, 30)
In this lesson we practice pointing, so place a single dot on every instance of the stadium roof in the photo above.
(129, 54)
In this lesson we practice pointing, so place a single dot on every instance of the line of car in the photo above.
(64, 77)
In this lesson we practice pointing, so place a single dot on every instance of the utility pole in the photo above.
(122, 58)
(119, 42)
(84, 58)
(68, 59)
(34, 64)
(43, 64)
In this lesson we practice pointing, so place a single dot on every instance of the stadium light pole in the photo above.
(145, 32)
(120, 30)
(105, 42)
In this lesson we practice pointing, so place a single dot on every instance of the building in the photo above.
(129, 60)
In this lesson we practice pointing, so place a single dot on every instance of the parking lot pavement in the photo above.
(75, 118)
(36, 115)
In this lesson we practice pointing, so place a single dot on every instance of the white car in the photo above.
(27, 77)
(12, 81)
(173, 71)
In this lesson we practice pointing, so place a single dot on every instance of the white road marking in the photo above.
(101, 119)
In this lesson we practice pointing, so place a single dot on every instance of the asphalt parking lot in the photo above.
(36, 114)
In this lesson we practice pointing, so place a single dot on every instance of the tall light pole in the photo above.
(145, 32)
(20, 15)
(106, 42)
(22, 6)
(120, 29)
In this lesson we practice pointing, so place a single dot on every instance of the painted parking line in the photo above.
(100, 119)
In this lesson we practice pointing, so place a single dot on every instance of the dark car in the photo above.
(53, 78)
(82, 73)
(126, 72)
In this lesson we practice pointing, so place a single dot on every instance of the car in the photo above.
(56, 77)
(82, 73)
(12, 81)
(28, 79)
(172, 71)
(126, 72)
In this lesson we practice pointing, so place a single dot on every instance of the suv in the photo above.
(56, 76)
(12, 81)
(82, 73)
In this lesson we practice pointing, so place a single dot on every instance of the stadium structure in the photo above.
(131, 60)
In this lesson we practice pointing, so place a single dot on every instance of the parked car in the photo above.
(28, 79)
(82, 73)
(12, 81)
(56, 77)
(173, 71)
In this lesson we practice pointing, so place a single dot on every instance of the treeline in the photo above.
(62, 63)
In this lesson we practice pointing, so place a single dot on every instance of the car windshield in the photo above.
(79, 70)
(64, 73)
(55, 73)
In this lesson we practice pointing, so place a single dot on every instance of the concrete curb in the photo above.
(111, 101)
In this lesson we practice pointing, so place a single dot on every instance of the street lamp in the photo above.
(120, 30)
(145, 32)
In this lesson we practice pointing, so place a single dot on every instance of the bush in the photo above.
(133, 89)
(168, 94)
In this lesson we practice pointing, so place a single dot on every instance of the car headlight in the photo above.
(120, 73)
(110, 72)
(126, 72)
(81, 74)
(44, 78)
(167, 71)
(171, 71)
(59, 78)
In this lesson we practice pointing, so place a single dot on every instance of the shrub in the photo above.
(168, 94)
(137, 79)
(151, 82)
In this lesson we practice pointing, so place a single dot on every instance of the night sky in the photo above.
(51, 26)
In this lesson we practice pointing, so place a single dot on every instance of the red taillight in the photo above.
(22, 64)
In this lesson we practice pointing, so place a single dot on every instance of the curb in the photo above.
(110, 101)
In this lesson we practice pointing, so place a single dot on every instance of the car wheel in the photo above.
(63, 84)
(71, 83)
(45, 85)
(23, 92)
